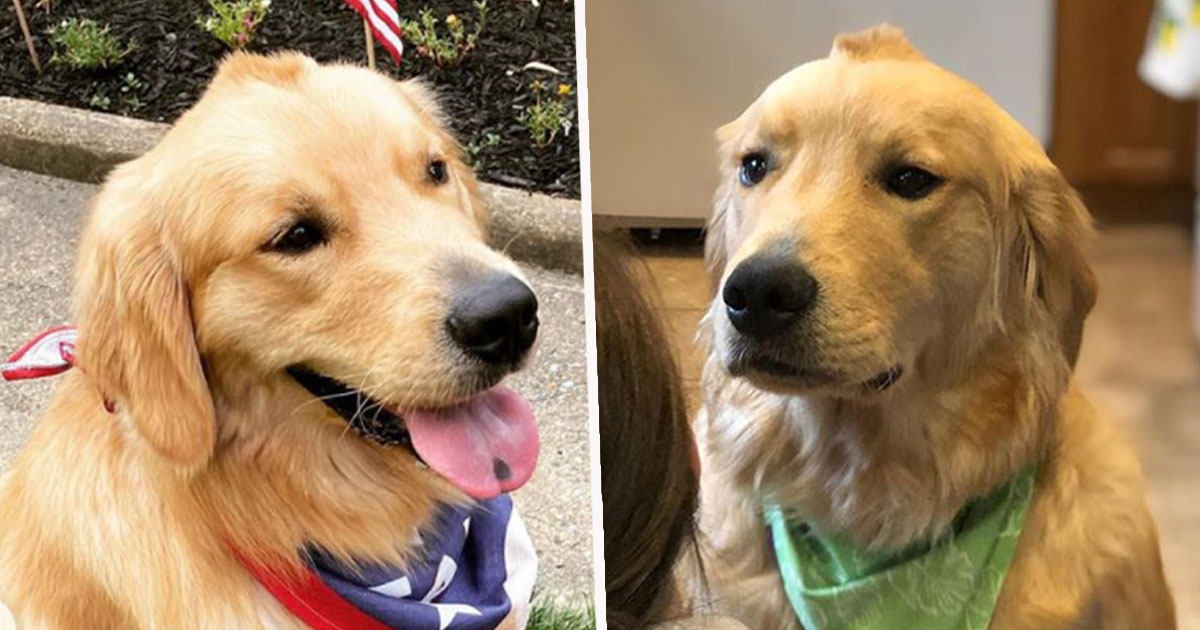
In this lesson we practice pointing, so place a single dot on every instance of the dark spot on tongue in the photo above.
(501, 470)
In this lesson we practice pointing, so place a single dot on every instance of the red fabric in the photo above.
(379, 17)
(311, 600)
(22, 373)
(12, 369)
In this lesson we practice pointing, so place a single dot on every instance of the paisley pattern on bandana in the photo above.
(949, 584)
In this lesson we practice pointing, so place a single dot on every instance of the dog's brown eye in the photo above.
(299, 238)
(437, 171)
(754, 169)
(911, 182)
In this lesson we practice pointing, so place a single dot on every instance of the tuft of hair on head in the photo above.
(878, 42)
(281, 69)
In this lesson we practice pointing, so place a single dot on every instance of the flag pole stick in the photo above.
(370, 43)
(28, 37)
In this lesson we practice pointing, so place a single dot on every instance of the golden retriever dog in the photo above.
(900, 289)
(304, 234)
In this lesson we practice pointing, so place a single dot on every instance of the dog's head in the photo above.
(308, 231)
(881, 217)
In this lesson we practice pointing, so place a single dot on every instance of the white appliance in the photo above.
(664, 74)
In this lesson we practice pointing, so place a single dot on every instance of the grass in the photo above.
(555, 616)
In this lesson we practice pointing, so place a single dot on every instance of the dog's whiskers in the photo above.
(362, 402)
(321, 399)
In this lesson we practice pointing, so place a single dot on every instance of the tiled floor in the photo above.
(1139, 364)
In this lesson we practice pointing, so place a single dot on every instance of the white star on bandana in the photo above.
(446, 613)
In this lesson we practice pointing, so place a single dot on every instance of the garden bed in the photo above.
(173, 58)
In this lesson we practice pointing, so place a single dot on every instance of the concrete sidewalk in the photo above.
(40, 218)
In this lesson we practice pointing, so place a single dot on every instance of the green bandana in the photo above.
(950, 584)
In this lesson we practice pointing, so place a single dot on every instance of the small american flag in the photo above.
(381, 16)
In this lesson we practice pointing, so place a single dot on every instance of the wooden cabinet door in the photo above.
(1129, 149)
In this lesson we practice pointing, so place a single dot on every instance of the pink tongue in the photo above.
(484, 446)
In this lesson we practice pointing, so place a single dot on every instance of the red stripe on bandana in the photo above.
(311, 600)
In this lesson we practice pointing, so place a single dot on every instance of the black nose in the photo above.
(494, 319)
(767, 294)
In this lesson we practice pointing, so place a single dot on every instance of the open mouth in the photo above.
(366, 416)
(485, 445)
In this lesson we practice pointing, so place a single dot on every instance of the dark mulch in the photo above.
(175, 58)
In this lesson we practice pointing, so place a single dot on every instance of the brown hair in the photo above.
(648, 484)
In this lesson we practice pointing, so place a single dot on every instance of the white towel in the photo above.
(1171, 61)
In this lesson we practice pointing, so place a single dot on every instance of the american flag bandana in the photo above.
(477, 567)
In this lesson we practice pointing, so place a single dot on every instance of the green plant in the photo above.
(546, 116)
(475, 149)
(551, 616)
(125, 99)
(452, 48)
(130, 86)
(234, 21)
(84, 44)
(100, 101)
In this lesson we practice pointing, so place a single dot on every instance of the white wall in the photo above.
(664, 74)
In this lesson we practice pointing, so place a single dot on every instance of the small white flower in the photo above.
(266, 4)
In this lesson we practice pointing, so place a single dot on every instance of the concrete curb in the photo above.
(84, 146)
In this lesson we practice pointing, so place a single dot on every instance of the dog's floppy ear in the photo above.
(878, 42)
(136, 338)
(1048, 243)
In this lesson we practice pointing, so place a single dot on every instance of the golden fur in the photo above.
(126, 520)
(979, 291)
